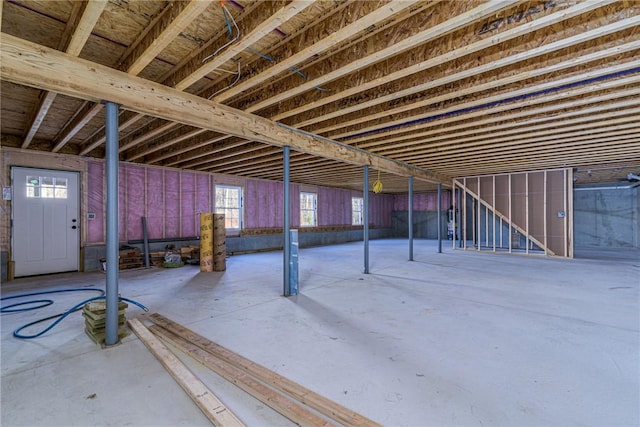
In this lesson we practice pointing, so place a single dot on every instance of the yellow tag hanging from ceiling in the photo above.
(377, 186)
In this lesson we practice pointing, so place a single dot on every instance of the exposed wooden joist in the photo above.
(198, 143)
(166, 144)
(158, 37)
(267, 26)
(432, 33)
(148, 135)
(538, 90)
(81, 28)
(256, 34)
(517, 131)
(588, 140)
(179, 16)
(38, 66)
(377, 16)
(449, 56)
(540, 114)
(489, 85)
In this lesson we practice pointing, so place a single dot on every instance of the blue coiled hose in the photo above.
(11, 308)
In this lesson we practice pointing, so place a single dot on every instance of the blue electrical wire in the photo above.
(46, 302)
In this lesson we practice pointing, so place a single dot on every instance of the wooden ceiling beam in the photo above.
(248, 148)
(199, 142)
(156, 37)
(453, 24)
(547, 147)
(165, 144)
(491, 84)
(267, 26)
(545, 113)
(228, 142)
(37, 66)
(385, 12)
(472, 150)
(178, 17)
(507, 97)
(571, 159)
(84, 16)
(256, 34)
(508, 130)
(502, 37)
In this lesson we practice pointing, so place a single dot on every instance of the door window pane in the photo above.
(46, 187)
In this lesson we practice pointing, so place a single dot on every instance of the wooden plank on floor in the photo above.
(315, 401)
(279, 402)
(210, 405)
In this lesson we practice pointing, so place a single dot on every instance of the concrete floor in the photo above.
(452, 339)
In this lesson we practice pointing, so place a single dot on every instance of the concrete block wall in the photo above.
(239, 245)
(607, 217)
(425, 224)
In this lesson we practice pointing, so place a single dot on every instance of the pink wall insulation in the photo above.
(380, 209)
(172, 201)
(334, 206)
(263, 204)
(134, 206)
(204, 197)
(155, 203)
(95, 201)
(187, 205)
(422, 201)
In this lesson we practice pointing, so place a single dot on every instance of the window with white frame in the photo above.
(308, 210)
(356, 210)
(229, 203)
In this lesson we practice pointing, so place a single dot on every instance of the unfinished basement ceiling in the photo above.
(457, 88)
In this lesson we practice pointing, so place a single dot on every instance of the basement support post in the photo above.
(439, 218)
(365, 217)
(111, 319)
(287, 222)
(410, 218)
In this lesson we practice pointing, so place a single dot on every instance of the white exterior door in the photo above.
(46, 221)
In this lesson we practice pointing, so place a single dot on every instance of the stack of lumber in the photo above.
(299, 404)
(130, 258)
(95, 319)
(157, 258)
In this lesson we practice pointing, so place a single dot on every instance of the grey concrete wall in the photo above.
(238, 245)
(425, 224)
(606, 217)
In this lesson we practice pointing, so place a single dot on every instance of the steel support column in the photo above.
(287, 223)
(410, 218)
(439, 218)
(111, 320)
(365, 218)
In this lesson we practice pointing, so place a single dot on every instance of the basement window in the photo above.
(308, 210)
(357, 204)
(229, 203)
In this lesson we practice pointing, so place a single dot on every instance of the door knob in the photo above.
(73, 220)
(74, 227)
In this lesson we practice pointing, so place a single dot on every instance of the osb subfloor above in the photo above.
(453, 88)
